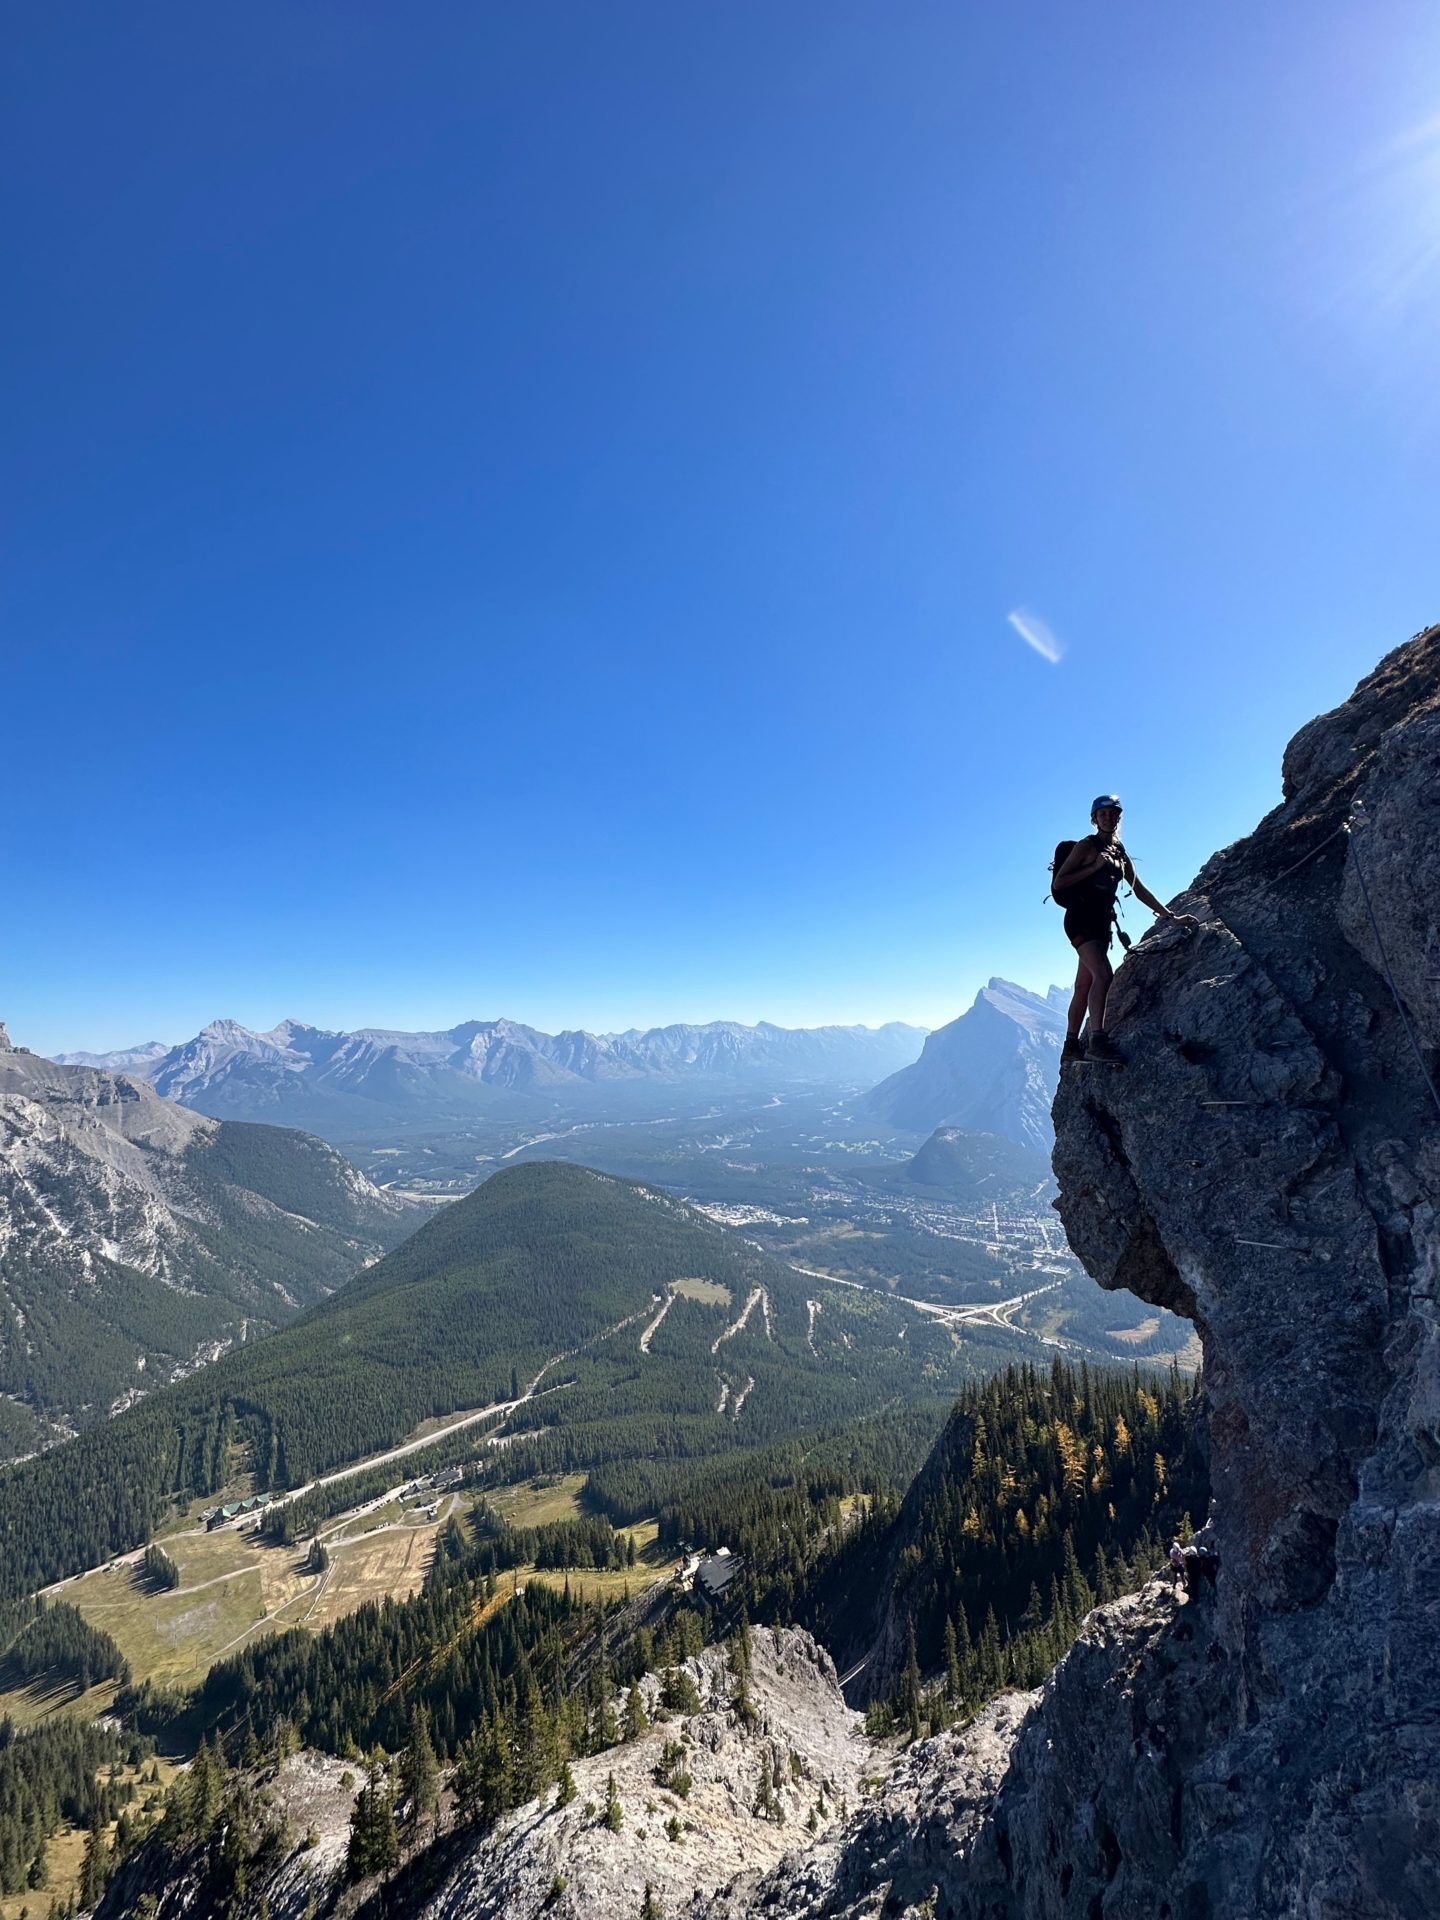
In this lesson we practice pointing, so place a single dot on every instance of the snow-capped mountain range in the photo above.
(993, 1070)
(232, 1070)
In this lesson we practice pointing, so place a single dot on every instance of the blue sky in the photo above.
(518, 508)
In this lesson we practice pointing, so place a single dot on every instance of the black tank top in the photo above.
(1103, 885)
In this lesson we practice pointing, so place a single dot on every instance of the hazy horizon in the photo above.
(177, 1038)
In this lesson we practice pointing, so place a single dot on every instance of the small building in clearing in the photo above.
(714, 1575)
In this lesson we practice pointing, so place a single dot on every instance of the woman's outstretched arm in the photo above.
(1143, 894)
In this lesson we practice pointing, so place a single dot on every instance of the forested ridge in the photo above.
(54, 1775)
(63, 1771)
(1048, 1491)
(462, 1647)
(537, 1264)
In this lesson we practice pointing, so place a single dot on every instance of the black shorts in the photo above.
(1088, 920)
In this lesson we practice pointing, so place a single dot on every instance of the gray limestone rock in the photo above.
(1269, 1163)
(805, 1742)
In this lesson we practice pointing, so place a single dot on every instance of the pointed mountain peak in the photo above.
(226, 1029)
(989, 1071)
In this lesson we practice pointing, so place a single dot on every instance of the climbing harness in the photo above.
(1063, 850)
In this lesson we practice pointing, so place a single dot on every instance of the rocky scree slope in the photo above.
(1267, 1163)
(805, 1743)
(137, 1239)
(564, 1862)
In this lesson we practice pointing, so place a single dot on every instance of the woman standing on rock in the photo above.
(1087, 878)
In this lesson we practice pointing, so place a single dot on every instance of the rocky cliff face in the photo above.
(1267, 1163)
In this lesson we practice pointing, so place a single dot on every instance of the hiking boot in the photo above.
(1073, 1049)
(1101, 1047)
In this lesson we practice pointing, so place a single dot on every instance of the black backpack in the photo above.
(1063, 851)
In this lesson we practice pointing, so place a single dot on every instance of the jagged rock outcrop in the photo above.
(805, 1747)
(914, 1831)
(1267, 1163)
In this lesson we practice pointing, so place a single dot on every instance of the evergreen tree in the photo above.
(206, 1789)
(468, 1780)
(614, 1816)
(419, 1772)
(497, 1772)
(538, 1760)
(954, 1681)
(94, 1867)
(992, 1660)
(636, 1718)
(374, 1844)
(1079, 1599)
(910, 1685)
(678, 1692)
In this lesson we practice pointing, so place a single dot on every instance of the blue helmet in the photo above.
(1105, 800)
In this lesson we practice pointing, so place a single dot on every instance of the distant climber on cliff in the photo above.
(1087, 875)
(1195, 1567)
